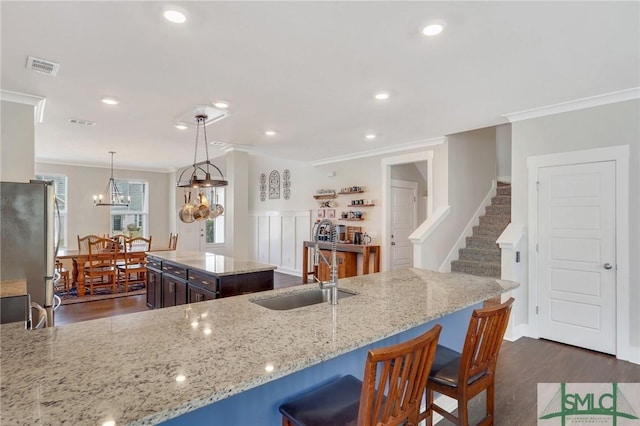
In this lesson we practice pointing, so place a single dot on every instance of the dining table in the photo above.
(80, 257)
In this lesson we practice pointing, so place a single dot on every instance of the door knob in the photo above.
(608, 266)
(393, 243)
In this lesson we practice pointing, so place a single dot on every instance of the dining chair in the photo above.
(64, 277)
(134, 268)
(389, 395)
(83, 242)
(464, 375)
(101, 264)
(173, 241)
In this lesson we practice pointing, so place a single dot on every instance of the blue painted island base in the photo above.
(259, 406)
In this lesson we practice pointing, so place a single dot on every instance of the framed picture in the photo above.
(331, 213)
(321, 213)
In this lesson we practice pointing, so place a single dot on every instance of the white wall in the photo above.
(503, 152)
(85, 218)
(17, 162)
(608, 125)
(470, 174)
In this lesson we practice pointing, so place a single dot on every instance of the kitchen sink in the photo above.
(303, 298)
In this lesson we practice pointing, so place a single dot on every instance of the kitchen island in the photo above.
(203, 363)
(179, 277)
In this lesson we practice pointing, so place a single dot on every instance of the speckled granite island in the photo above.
(179, 277)
(221, 362)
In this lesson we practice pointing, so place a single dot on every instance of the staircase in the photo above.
(481, 256)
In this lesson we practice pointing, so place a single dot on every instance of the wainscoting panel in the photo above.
(276, 238)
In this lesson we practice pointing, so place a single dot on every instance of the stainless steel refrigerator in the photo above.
(27, 247)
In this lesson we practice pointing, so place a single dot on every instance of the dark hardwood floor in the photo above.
(67, 314)
(521, 366)
(526, 362)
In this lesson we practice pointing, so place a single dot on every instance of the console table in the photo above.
(365, 250)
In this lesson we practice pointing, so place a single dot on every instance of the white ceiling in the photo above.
(309, 70)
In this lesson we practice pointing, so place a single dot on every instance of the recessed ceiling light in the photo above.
(370, 136)
(381, 96)
(270, 133)
(174, 16)
(180, 126)
(180, 378)
(221, 104)
(433, 29)
(110, 101)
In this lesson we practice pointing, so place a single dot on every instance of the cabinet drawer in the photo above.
(154, 263)
(200, 279)
(175, 270)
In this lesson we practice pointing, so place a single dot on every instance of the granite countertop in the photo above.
(124, 368)
(211, 263)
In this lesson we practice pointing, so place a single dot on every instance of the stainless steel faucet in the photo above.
(332, 284)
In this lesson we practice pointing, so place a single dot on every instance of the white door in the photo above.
(576, 255)
(403, 222)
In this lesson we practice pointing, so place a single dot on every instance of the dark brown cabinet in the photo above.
(154, 288)
(347, 265)
(174, 291)
(172, 284)
(197, 294)
(233, 285)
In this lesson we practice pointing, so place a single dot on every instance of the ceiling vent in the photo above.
(42, 66)
(82, 122)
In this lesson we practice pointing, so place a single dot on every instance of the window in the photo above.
(132, 220)
(214, 228)
(60, 183)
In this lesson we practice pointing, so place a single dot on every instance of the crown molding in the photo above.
(23, 98)
(592, 101)
(102, 166)
(381, 151)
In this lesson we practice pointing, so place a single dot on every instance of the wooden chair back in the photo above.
(484, 338)
(102, 253)
(173, 241)
(136, 247)
(83, 242)
(393, 397)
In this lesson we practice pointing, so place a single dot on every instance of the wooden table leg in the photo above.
(365, 260)
(81, 286)
(305, 264)
(376, 260)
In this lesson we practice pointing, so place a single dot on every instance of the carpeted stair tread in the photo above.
(498, 210)
(482, 242)
(480, 255)
(472, 267)
(495, 220)
(503, 190)
(488, 231)
(501, 200)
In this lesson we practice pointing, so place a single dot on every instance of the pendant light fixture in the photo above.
(111, 195)
(200, 172)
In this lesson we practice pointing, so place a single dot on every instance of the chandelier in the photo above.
(200, 172)
(111, 195)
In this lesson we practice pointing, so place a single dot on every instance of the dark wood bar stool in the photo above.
(464, 375)
(391, 399)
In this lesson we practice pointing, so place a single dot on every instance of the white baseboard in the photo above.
(289, 271)
(514, 333)
(468, 230)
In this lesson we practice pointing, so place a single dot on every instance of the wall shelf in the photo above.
(351, 192)
(361, 205)
(325, 196)
(353, 219)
